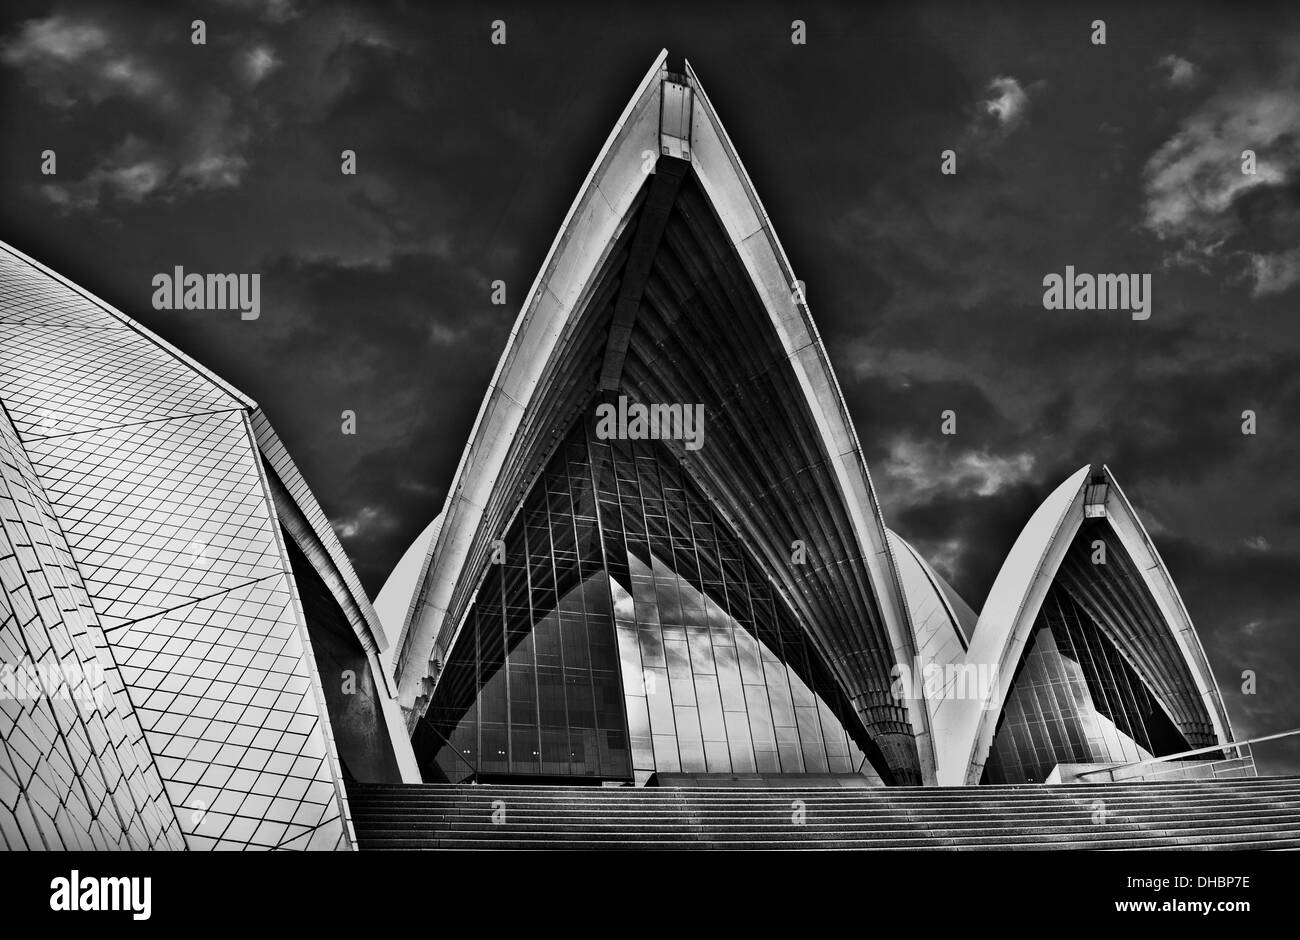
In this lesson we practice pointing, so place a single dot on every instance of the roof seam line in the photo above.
(131, 424)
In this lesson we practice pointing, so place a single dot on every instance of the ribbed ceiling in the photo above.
(1117, 599)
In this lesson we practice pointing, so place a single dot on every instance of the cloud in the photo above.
(1199, 203)
(185, 129)
(1178, 72)
(945, 556)
(1274, 273)
(208, 156)
(1192, 180)
(1008, 102)
(129, 174)
(256, 63)
(926, 467)
(79, 61)
(272, 11)
(1004, 107)
(363, 522)
(57, 39)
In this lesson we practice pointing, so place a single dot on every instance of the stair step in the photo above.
(1225, 814)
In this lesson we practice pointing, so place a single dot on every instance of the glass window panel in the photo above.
(709, 705)
(692, 754)
(652, 648)
(613, 755)
(550, 698)
(647, 612)
(760, 716)
(671, 632)
(546, 641)
(524, 749)
(638, 717)
(609, 701)
(670, 609)
(678, 656)
(579, 700)
(492, 698)
(739, 743)
(683, 688)
(523, 697)
(555, 751)
(688, 724)
(810, 729)
(575, 646)
(779, 696)
(660, 700)
(814, 759)
(751, 665)
(624, 609)
(629, 654)
(495, 748)
(799, 691)
(643, 754)
(701, 648)
(665, 754)
(729, 681)
(717, 757)
(766, 760)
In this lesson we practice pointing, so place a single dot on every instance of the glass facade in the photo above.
(718, 675)
(628, 631)
(532, 685)
(1074, 699)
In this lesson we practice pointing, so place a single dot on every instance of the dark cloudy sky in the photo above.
(927, 288)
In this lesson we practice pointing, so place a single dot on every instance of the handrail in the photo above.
(451, 747)
(1200, 750)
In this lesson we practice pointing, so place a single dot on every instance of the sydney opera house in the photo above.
(642, 614)
(625, 611)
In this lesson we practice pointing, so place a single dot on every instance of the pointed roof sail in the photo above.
(192, 534)
(942, 624)
(400, 592)
(666, 284)
(1122, 590)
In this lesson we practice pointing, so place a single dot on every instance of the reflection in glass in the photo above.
(1074, 699)
(708, 650)
(628, 631)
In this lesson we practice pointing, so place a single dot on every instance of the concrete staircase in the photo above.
(1257, 812)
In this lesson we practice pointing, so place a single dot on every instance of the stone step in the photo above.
(1029, 844)
(392, 821)
(816, 801)
(741, 814)
(1111, 807)
(488, 805)
(517, 799)
(1237, 813)
(985, 791)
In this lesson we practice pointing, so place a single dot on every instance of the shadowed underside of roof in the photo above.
(1128, 614)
